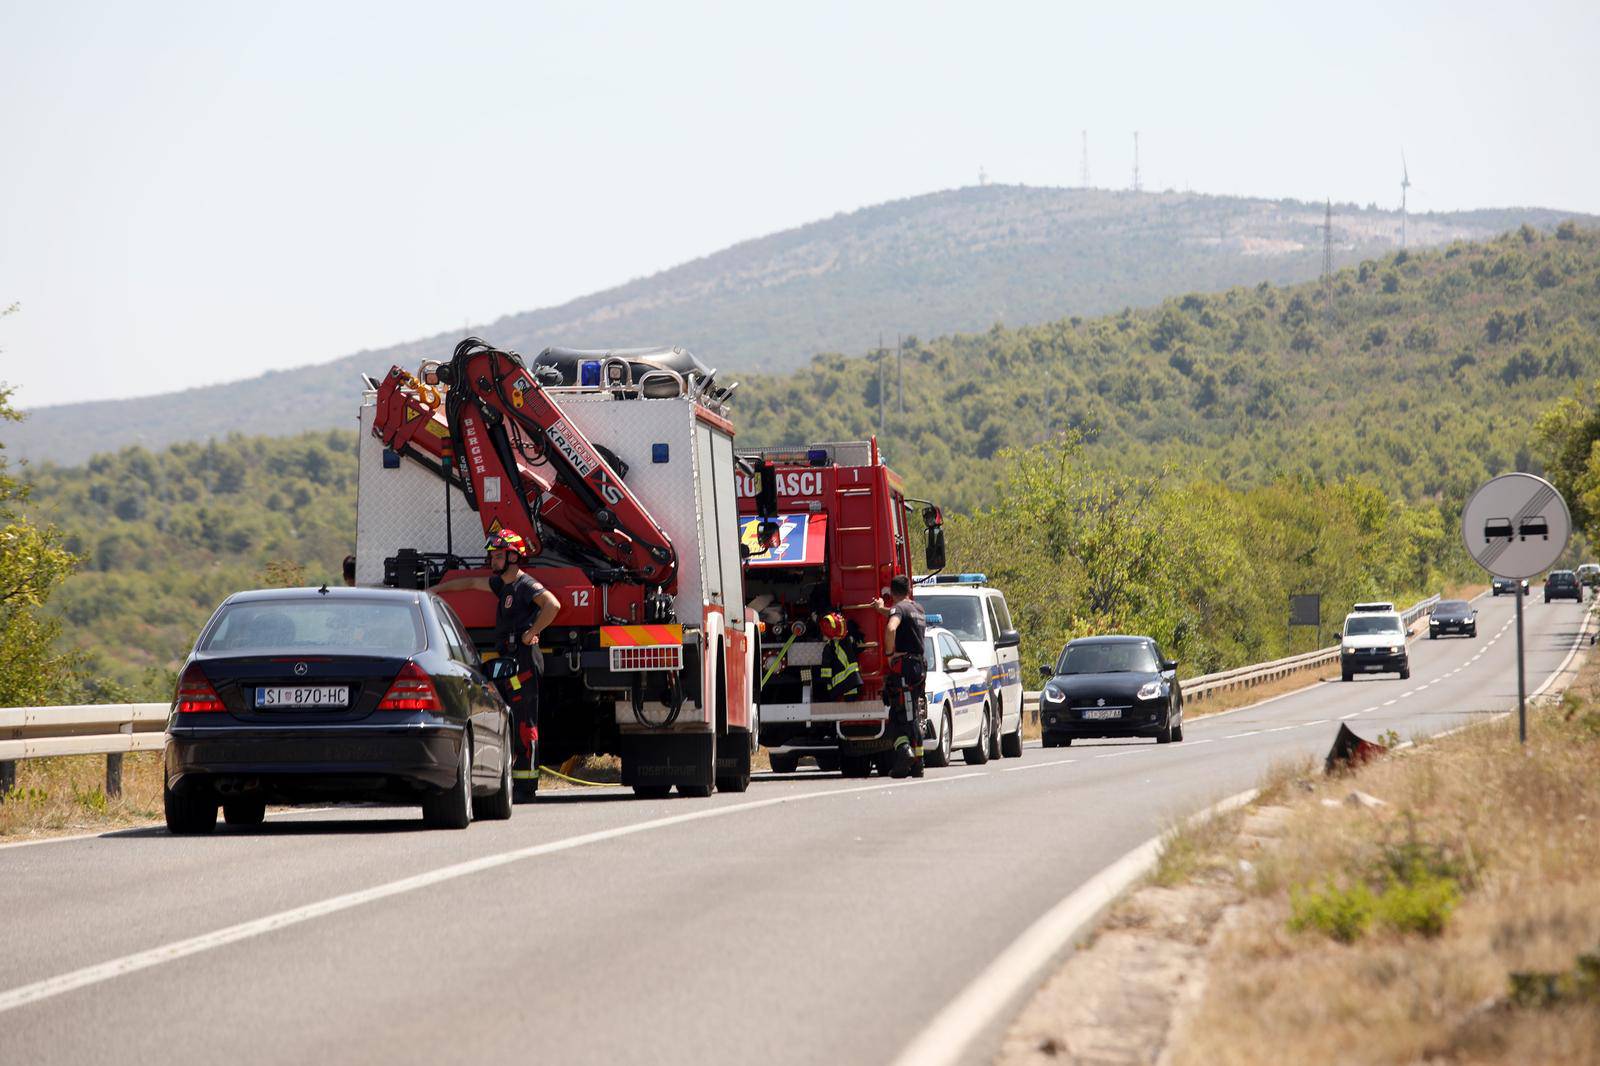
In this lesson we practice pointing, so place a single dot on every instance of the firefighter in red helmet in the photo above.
(523, 609)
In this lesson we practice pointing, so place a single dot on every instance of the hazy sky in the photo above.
(194, 192)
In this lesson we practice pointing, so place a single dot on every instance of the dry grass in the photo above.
(1514, 830)
(60, 796)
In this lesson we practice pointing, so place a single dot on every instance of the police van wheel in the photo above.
(1011, 743)
(939, 754)
(994, 736)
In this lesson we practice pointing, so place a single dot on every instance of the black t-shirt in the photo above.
(516, 606)
(912, 631)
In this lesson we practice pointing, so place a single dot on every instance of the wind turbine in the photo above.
(1405, 183)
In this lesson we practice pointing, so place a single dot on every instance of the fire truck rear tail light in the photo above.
(652, 657)
(195, 694)
(412, 690)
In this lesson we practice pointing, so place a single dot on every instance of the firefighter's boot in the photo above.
(905, 762)
(524, 767)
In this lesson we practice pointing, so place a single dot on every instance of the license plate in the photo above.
(281, 696)
(1102, 712)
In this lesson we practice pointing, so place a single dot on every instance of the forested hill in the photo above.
(1424, 370)
(952, 261)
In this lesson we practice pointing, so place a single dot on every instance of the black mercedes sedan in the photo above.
(313, 695)
(1111, 687)
(1452, 616)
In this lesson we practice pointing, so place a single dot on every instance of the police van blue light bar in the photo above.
(961, 579)
(933, 619)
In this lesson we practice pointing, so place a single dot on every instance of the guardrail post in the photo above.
(8, 779)
(114, 775)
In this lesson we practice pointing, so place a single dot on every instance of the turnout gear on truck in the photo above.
(839, 673)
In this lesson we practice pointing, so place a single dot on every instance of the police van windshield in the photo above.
(961, 615)
(352, 626)
(1361, 626)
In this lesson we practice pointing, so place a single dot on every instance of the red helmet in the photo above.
(509, 541)
(833, 625)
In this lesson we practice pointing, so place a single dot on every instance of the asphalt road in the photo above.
(812, 919)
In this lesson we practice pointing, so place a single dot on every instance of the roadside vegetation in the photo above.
(1443, 904)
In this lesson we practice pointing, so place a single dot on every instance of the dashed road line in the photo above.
(1236, 736)
(1037, 765)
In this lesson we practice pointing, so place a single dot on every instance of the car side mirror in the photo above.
(1047, 672)
(1169, 664)
(1008, 638)
(955, 663)
(501, 668)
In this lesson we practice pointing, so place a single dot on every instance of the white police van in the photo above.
(978, 617)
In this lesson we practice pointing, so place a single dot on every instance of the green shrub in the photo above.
(1421, 906)
(1343, 914)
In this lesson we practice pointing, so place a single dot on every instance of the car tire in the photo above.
(784, 764)
(452, 808)
(978, 754)
(192, 813)
(1177, 732)
(994, 736)
(1432, 635)
(1405, 672)
(1473, 632)
(1346, 675)
(498, 805)
(1047, 741)
(1011, 743)
(855, 765)
(939, 755)
(1165, 735)
(244, 811)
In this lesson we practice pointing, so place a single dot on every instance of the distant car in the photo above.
(1508, 585)
(1373, 642)
(1452, 616)
(960, 707)
(310, 695)
(1562, 585)
(1589, 575)
(1112, 686)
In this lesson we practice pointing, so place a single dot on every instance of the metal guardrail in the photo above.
(109, 729)
(1199, 688)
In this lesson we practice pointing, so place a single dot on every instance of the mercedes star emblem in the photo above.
(300, 671)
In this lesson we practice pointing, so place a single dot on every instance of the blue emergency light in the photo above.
(589, 373)
(961, 579)
(817, 457)
(934, 619)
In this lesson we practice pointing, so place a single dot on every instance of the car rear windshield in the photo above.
(1360, 626)
(327, 625)
(1561, 577)
(1107, 659)
(961, 615)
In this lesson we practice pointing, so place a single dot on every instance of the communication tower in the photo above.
(1405, 183)
(1136, 161)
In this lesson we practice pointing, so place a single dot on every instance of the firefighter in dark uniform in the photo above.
(523, 609)
(906, 678)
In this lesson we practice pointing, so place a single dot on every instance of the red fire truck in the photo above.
(843, 528)
(618, 467)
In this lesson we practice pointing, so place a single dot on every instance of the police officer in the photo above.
(523, 609)
(905, 682)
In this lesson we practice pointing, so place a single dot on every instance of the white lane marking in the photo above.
(1390, 703)
(1319, 721)
(1236, 736)
(1408, 695)
(946, 1038)
(1037, 765)
(143, 960)
(1197, 743)
(1117, 754)
(1352, 714)
(1279, 729)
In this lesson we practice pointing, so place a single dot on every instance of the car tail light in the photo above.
(412, 690)
(195, 694)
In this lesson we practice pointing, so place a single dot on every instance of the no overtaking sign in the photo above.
(1516, 526)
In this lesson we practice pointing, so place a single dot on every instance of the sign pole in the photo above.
(1522, 706)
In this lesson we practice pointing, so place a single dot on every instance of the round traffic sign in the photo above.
(1516, 525)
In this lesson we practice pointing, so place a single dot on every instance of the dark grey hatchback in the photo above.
(1111, 687)
(311, 695)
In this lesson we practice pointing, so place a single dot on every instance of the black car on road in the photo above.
(1113, 686)
(1452, 616)
(1508, 585)
(1562, 585)
(314, 695)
